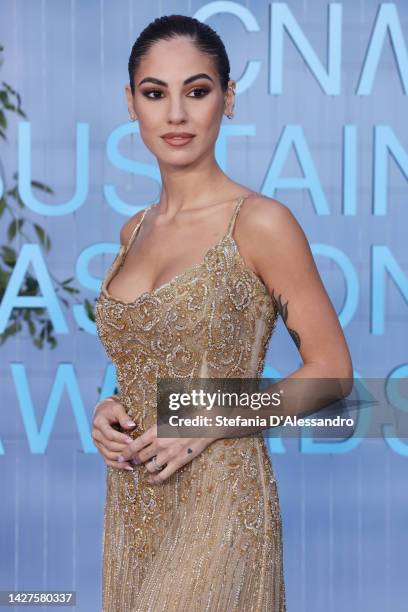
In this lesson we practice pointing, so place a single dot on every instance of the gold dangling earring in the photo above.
(231, 114)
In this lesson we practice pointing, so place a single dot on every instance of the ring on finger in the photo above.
(157, 467)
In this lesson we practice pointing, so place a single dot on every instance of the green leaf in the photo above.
(32, 285)
(9, 88)
(11, 107)
(12, 229)
(42, 186)
(9, 255)
(40, 233)
(13, 193)
(12, 329)
(70, 289)
(3, 120)
(52, 342)
(4, 278)
(15, 225)
(42, 236)
(89, 309)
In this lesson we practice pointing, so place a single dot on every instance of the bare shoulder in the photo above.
(266, 218)
(128, 227)
(272, 239)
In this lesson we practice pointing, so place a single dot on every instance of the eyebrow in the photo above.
(201, 75)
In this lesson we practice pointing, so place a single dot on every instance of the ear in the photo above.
(130, 105)
(230, 98)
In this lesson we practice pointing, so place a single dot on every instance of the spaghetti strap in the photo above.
(136, 229)
(228, 233)
(235, 213)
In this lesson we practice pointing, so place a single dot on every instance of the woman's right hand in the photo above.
(109, 441)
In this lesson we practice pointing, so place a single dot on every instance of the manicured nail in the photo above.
(136, 461)
(120, 458)
(130, 423)
(128, 467)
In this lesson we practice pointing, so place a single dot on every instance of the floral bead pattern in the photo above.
(209, 538)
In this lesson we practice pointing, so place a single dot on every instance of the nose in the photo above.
(176, 110)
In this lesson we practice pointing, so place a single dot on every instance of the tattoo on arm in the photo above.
(282, 309)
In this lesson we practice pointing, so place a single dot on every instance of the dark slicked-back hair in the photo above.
(171, 26)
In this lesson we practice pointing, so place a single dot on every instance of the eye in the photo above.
(200, 89)
(149, 91)
(203, 91)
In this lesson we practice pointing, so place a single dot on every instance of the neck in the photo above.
(193, 187)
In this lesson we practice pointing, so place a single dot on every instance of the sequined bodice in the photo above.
(209, 537)
(215, 319)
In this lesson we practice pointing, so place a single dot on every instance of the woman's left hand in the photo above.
(172, 453)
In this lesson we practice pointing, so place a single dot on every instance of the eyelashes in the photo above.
(147, 93)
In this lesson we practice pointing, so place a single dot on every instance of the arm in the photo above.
(282, 257)
(274, 244)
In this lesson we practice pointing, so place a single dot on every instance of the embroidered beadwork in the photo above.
(212, 531)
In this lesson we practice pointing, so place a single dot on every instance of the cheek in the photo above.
(150, 126)
(207, 118)
(149, 119)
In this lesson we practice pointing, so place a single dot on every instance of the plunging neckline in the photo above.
(117, 264)
(179, 276)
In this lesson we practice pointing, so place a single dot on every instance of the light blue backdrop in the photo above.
(320, 124)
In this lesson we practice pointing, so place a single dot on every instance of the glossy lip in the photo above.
(177, 134)
(178, 140)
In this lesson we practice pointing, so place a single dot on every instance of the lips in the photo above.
(178, 139)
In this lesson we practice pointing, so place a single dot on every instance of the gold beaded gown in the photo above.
(209, 538)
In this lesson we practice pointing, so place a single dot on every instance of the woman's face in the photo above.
(195, 107)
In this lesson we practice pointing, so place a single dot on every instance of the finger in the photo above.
(147, 453)
(116, 413)
(119, 466)
(162, 459)
(163, 475)
(112, 455)
(112, 410)
(108, 432)
(109, 444)
(173, 464)
(137, 445)
(112, 461)
(125, 420)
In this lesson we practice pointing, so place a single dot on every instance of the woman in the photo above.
(194, 523)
